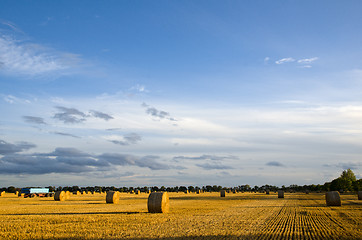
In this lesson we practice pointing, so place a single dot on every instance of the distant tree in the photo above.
(182, 188)
(357, 185)
(154, 189)
(348, 174)
(11, 189)
(344, 182)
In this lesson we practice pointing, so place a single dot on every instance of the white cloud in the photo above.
(30, 59)
(139, 88)
(306, 66)
(20, 57)
(307, 60)
(12, 99)
(285, 60)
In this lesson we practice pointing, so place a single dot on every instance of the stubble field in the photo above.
(191, 216)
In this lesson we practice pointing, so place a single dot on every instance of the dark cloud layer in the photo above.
(9, 148)
(68, 160)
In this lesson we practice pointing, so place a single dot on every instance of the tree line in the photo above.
(346, 182)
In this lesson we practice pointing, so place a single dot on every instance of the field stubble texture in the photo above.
(191, 216)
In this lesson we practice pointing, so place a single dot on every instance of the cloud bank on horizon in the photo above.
(216, 95)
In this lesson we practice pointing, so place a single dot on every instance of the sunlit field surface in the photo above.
(192, 216)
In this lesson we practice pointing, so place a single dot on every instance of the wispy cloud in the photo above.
(36, 120)
(11, 25)
(307, 60)
(101, 115)
(21, 57)
(70, 115)
(208, 166)
(304, 62)
(157, 113)
(12, 99)
(275, 164)
(345, 165)
(65, 134)
(285, 60)
(139, 88)
(26, 58)
(73, 115)
(205, 157)
(128, 139)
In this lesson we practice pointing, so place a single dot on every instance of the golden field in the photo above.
(191, 216)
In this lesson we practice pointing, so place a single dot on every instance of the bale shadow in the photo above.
(72, 213)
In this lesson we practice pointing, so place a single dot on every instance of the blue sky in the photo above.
(143, 93)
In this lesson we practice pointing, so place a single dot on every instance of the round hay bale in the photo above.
(222, 193)
(2, 193)
(67, 195)
(333, 199)
(280, 194)
(112, 197)
(359, 195)
(158, 202)
(59, 196)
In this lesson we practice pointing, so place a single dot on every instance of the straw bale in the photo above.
(333, 199)
(280, 194)
(67, 195)
(60, 196)
(222, 193)
(158, 202)
(112, 197)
